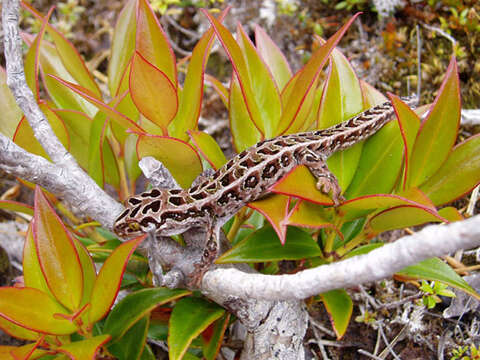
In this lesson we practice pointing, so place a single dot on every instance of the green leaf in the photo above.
(212, 340)
(98, 132)
(436, 270)
(132, 344)
(11, 113)
(371, 95)
(57, 254)
(192, 93)
(123, 46)
(85, 349)
(109, 278)
(339, 306)
(88, 270)
(263, 245)
(177, 156)
(240, 67)
(209, 148)
(273, 57)
(152, 43)
(244, 131)
(380, 163)
(264, 88)
(307, 78)
(21, 306)
(301, 184)
(458, 175)
(16, 206)
(438, 132)
(189, 318)
(146, 83)
(275, 210)
(136, 305)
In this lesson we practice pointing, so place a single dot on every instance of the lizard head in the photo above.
(141, 211)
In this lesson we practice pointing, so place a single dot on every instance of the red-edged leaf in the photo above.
(34, 310)
(451, 214)
(458, 175)
(339, 306)
(371, 95)
(152, 43)
(57, 254)
(265, 90)
(208, 147)
(213, 337)
(192, 93)
(85, 349)
(9, 108)
(28, 352)
(244, 132)
(109, 278)
(70, 57)
(16, 206)
(17, 331)
(275, 209)
(438, 132)
(152, 92)
(240, 67)
(114, 114)
(218, 87)
(273, 57)
(310, 215)
(308, 77)
(123, 46)
(177, 156)
(301, 184)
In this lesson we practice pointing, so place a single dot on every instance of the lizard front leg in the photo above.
(326, 180)
(209, 253)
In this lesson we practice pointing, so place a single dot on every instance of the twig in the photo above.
(419, 62)
(441, 32)
(371, 356)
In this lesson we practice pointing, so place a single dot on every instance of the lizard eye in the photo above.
(134, 226)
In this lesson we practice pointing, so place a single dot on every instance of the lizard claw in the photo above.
(329, 185)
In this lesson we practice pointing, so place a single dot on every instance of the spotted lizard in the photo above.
(245, 178)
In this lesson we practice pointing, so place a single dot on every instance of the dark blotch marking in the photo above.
(199, 196)
(122, 215)
(193, 189)
(135, 211)
(154, 206)
(239, 172)
(153, 193)
(177, 216)
(176, 200)
(212, 186)
(229, 163)
(175, 191)
(207, 209)
(270, 170)
(285, 160)
(268, 151)
(148, 220)
(247, 163)
(225, 180)
(225, 198)
(134, 201)
(250, 182)
(242, 154)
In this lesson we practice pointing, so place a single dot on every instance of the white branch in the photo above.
(434, 240)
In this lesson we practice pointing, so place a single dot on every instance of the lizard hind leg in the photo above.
(326, 180)
(209, 253)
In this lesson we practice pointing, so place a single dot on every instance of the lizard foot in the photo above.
(329, 185)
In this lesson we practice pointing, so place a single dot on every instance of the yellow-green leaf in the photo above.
(339, 306)
(84, 349)
(57, 254)
(209, 148)
(275, 210)
(11, 113)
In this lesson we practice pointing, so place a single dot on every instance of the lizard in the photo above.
(214, 199)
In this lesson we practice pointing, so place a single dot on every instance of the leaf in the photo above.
(192, 94)
(69, 56)
(132, 344)
(152, 43)
(28, 351)
(147, 82)
(17, 331)
(263, 245)
(310, 215)
(301, 184)
(380, 163)
(16, 206)
(307, 78)
(213, 340)
(116, 116)
(85, 349)
(11, 113)
(264, 88)
(20, 306)
(135, 306)
(88, 270)
(458, 174)
(244, 131)
(275, 210)
(273, 57)
(209, 148)
(409, 124)
(404, 216)
(177, 156)
(339, 306)
(123, 46)
(371, 95)
(189, 318)
(57, 254)
(25, 138)
(240, 67)
(109, 278)
(438, 132)
(98, 130)
(436, 270)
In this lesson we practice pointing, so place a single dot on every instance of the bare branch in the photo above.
(434, 240)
